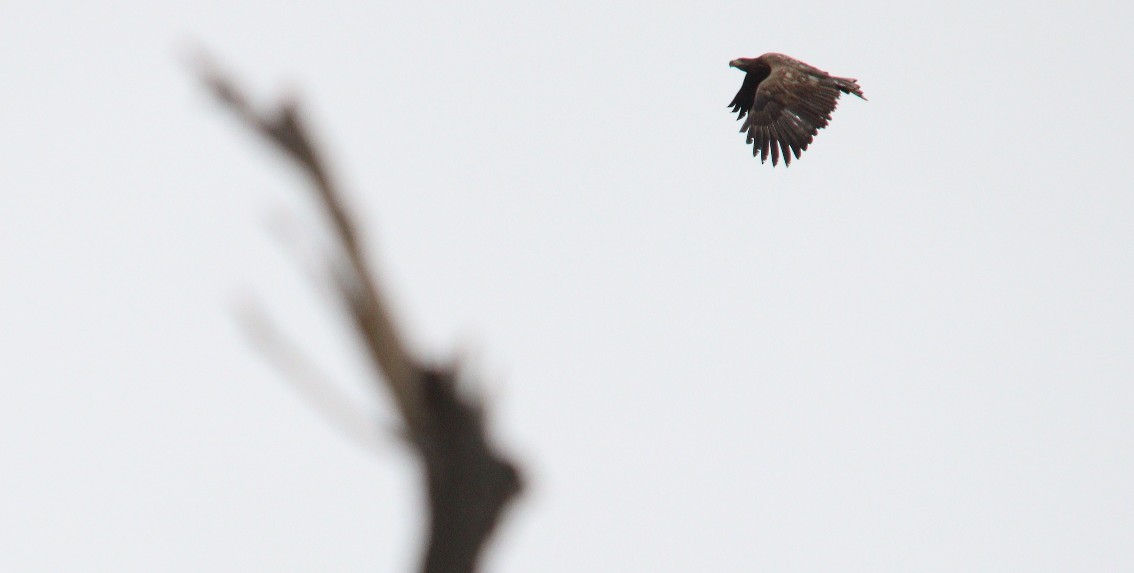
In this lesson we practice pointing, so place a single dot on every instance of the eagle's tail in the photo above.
(850, 86)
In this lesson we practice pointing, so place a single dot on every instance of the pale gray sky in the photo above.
(911, 351)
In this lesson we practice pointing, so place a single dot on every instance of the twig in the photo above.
(307, 379)
(469, 483)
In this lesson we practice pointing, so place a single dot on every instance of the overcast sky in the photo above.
(910, 351)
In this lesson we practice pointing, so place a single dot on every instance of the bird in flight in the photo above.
(787, 102)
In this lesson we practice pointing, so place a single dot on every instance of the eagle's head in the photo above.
(741, 63)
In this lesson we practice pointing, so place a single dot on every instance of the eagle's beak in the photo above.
(734, 64)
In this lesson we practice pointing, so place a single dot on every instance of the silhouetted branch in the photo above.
(468, 482)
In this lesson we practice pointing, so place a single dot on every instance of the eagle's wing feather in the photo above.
(743, 100)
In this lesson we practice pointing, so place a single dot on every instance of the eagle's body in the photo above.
(787, 102)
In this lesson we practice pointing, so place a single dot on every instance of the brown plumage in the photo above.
(787, 102)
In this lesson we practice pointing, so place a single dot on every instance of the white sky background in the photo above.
(911, 351)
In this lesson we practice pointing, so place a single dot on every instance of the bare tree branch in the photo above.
(469, 483)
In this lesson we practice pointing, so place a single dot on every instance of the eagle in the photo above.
(787, 102)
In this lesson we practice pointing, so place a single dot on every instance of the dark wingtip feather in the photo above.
(850, 86)
(775, 147)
